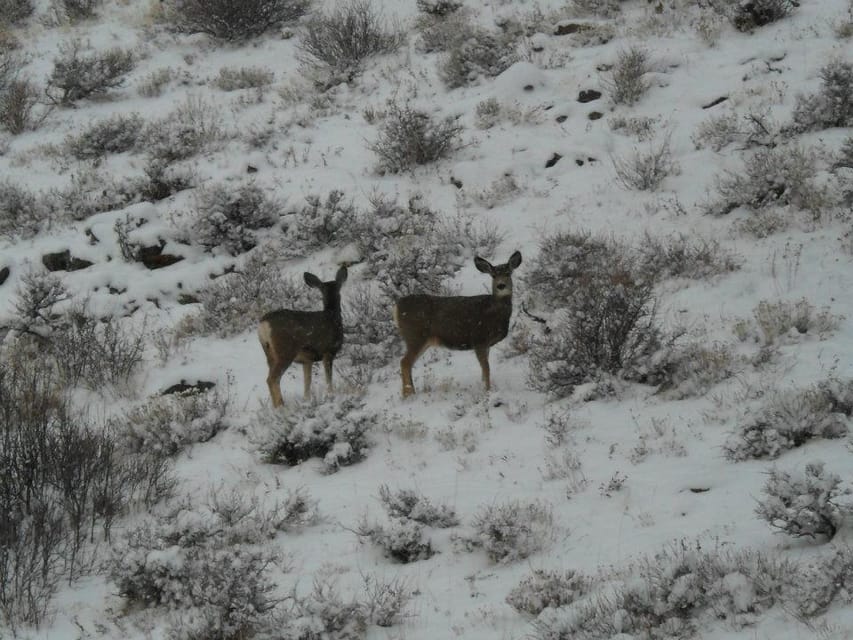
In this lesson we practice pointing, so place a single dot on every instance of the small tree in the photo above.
(76, 76)
(234, 19)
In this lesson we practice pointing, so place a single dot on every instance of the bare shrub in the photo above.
(775, 322)
(76, 75)
(18, 102)
(227, 216)
(757, 13)
(339, 40)
(232, 79)
(22, 214)
(234, 19)
(488, 113)
(153, 83)
(441, 32)
(63, 486)
(90, 192)
(476, 53)
(372, 338)
(802, 503)
(319, 224)
(542, 589)
(790, 419)
(778, 177)
(693, 369)
(77, 10)
(514, 530)
(235, 301)
(664, 596)
(440, 8)
(411, 505)
(189, 129)
(753, 129)
(645, 171)
(683, 256)
(832, 106)
(603, 314)
(409, 137)
(821, 582)
(627, 82)
(323, 611)
(336, 431)
(402, 540)
(13, 11)
(168, 424)
(115, 134)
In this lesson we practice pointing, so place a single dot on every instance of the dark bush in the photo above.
(339, 40)
(76, 76)
(410, 137)
(319, 224)
(115, 134)
(12, 11)
(76, 10)
(22, 214)
(756, 13)
(832, 106)
(18, 102)
(411, 505)
(477, 53)
(234, 19)
(228, 216)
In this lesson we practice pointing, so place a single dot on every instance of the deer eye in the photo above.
(501, 286)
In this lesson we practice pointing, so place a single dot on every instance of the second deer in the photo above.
(457, 322)
(306, 337)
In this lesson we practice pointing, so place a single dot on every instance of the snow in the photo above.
(500, 449)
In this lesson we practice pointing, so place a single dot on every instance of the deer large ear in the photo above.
(514, 260)
(341, 276)
(311, 280)
(483, 265)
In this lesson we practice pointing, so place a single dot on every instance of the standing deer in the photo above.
(306, 337)
(457, 322)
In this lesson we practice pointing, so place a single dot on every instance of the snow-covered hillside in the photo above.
(669, 416)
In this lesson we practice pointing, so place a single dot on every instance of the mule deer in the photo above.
(306, 337)
(457, 322)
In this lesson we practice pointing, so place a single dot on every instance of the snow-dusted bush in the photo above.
(543, 588)
(18, 102)
(234, 19)
(335, 430)
(753, 129)
(627, 82)
(77, 75)
(233, 79)
(162, 180)
(802, 502)
(402, 540)
(514, 530)
(338, 41)
(410, 137)
(411, 505)
(235, 301)
(76, 10)
(227, 216)
(692, 369)
(476, 53)
(203, 561)
(152, 84)
(372, 339)
(777, 177)
(168, 424)
(439, 8)
(115, 134)
(788, 420)
(665, 596)
(757, 13)
(91, 192)
(610, 327)
(22, 214)
(12, 11)
(322, 614)
(832, 106)
(645, 170)
(821, 582)
(441, 32)
(322, 223)
(189, 129)
(775, 322)
(683, 256)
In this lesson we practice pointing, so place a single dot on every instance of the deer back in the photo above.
(456, 322)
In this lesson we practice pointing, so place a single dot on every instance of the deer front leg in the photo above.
(306, 379)
(274, 381)
(483, 358)
(327, 366)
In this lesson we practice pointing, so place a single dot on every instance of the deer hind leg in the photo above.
(327, 367)
(306, 379)
(277, 368)
(483, 358)
(413, 352)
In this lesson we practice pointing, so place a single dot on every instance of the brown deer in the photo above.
(457, 322)
(306, 337)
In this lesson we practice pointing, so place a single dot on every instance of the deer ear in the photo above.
(311, 280)
(341, 276)
(483, 265)
(514, 260)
